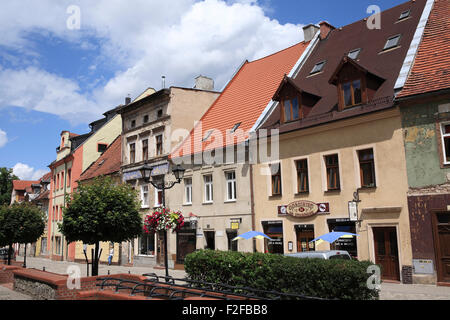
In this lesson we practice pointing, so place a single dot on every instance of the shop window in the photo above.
(275, 170)
(147, 244)
(186, 242)
(332, 168)
(232, 245)
(367, 168)
(445, 133)
(347, 244)
(302, 175)
(274, 229)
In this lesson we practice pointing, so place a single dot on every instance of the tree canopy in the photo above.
(102, 211)
(6, 178)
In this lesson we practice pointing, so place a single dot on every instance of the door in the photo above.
(442, 243)
(160, 249)
(210, 240)
(304, 238)
(186, 243)
(386, 252)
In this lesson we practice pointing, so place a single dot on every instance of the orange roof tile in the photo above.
(108, 163)
(431, 69)
(23, 184)
(243, 100)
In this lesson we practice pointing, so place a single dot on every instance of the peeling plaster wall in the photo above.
(422, 145)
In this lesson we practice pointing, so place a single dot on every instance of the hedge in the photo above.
(329, 279)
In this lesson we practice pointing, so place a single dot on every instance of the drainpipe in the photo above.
(252, 204)
(64, 205)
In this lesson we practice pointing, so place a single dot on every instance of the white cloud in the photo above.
(147, 39)
(3, 138)
(25, 172)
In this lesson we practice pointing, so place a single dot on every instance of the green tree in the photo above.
(101, 211)
(6, 185)
(20, 223)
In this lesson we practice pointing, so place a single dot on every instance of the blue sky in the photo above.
(53, 78)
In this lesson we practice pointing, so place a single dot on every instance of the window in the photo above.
(159, 145)
(291, 110)
(159, 114)
(147, 244)
(101, 147)
(188, 190)
(69, 175)
(235, 127)
(275, 170)
(302, 175)
(367, 168)
(133, 123)
(145, 149)
(57, 245)
(354, 54)
(352, 94)
(208, 182)
(404, 15)
(60, 214)
(231, 185)
(392, 42)
(445, 133)
(55, 184)
(158, 198)
(232, 245)
(144, 196)
(207, 135)
(332, 167)
(61, 181)
(318, 67)
(132, 152)
(146, 118)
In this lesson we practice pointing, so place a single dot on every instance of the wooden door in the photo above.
(442, 245)
(386, 252)
(160, 249)
(186, 243)
(303, 240)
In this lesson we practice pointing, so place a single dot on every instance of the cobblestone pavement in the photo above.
(394, 291)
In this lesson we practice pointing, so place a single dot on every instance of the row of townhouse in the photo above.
(348, 130)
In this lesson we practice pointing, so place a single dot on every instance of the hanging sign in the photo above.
(304, 209)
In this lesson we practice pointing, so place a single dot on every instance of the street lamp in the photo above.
(161, 184)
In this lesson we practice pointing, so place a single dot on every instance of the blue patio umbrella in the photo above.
(333, 236)
(252, 234)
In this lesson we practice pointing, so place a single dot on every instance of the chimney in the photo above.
(310, 31)
(325, 29)
(127, 100)
(204, 83)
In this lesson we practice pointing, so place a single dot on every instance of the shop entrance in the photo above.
(305, 234)
(441, 232)
(386, 252)
(186, 242)
(273, 229)
(210, 240)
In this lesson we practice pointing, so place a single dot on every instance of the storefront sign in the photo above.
(304, 209)
(353, 210)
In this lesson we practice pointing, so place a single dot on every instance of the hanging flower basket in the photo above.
(163, 219)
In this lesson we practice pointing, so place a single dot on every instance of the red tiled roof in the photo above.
(46, 176)
(244, 99)
(431, 69)
(23, 184)
(108, 163)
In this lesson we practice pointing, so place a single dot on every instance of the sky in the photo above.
(64, 63)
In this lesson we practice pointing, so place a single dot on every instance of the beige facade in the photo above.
(149, 126)
(384, 205)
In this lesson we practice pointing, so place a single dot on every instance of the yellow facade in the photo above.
(384, 205)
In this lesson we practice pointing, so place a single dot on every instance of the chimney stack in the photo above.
(204, 83)
(325, 29)
(310, 31)
(127, 100)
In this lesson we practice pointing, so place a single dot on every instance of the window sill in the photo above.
(332, 191)
(302, 193)
(367, 188)
(230, 201)
(187, 204)
(209, 202)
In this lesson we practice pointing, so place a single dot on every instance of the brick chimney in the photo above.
(325, 29)
(310, 31)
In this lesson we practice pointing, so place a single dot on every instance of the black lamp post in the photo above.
(160, 184)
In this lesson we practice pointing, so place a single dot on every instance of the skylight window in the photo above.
(392, 42)
(404, 14)
(318, 67)
(235, 127)
(354, 54)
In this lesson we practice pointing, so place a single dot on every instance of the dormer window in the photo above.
(392, 42)
(404, 14)
(352, 93)
(291, 109)
(354, 54)
(207, 135)
(318, 67)
(235, 127)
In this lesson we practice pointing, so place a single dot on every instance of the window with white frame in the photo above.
(445, 133)
(231, 185)
(188, 191)
(144, 196)
(208, 182)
